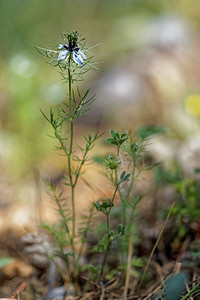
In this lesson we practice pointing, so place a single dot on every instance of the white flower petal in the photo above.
(77, 58)
(82, 54)
(60, 46)
(62, 54)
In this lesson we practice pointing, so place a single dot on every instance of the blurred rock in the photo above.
(186, 152)
(167, 31)
(188, 155)
(142, 83)
(38, 247)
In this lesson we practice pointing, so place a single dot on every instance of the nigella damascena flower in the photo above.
(66, 50)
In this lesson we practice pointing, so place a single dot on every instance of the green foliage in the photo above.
(104, 206)
(117, 139)
(131, 150)
(124, 177)
(93, 269)
(146, 132)
(165, 176)
(186, 194)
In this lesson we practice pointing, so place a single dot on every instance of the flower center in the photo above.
(72, 48)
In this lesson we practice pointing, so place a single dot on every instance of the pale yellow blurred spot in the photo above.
(192, 104)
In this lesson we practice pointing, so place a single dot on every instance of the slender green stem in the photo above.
(81, 165)
(125, 198)
(108, 226)
(73, 214)
(70, 154)
(61, 211)
(108, 222)
(116, 189)
(108, 231)
(192, 291)
(118, 147)
(104, 260)
(116, 181)
(70, 172)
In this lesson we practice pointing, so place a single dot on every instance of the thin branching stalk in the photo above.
(108, 222)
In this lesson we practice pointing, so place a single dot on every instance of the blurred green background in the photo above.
(156, 42)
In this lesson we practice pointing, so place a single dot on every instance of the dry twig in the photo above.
(156, 244)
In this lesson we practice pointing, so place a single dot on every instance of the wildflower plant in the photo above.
(130, 154)
(73, 59)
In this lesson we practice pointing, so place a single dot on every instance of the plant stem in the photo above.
(104, 260)
(81, 165)
(193, 290)
(108, 222)
(116, 189)
(70, 154)
(72, 183)
(118, 147)
(108, 228)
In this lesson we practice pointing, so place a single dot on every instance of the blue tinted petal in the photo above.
(77, 58)
(62, 54)
(82, 54)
